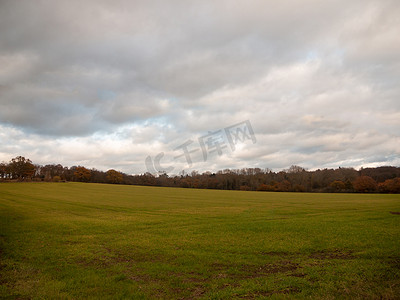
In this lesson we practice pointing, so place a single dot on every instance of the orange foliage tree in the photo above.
(82, 174)
(390, 186)
(21, 168)
(365, 184)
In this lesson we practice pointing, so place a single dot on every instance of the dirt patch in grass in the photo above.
(287, 291)
(191, 277)
(275, 253)
(197, 282)
(252, 271)
(110, 258)
(395, 213)
(332, 254)
(140, 277)
(271, 268)
(300, 275)
(197, 292)
(323, 254)
(191, 293)
(286, 265)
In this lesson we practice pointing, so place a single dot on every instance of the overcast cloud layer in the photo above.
(106, 84)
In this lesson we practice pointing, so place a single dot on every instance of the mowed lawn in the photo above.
(93, 241)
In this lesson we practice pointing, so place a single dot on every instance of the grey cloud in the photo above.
(318, 80)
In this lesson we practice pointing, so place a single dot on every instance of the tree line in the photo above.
(295, 179)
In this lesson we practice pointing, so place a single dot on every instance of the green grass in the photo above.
(87, 241)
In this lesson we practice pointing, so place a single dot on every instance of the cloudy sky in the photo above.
(107, 84)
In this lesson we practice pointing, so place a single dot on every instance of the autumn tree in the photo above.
(114, 176)
(284, 186)
(337, 186)
(365, 184)
(390, 186)
(82, 174)
(264, 187)
(21, 168)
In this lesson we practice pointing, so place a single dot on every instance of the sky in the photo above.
(172, 86)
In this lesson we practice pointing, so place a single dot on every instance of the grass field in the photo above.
(82, 241)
